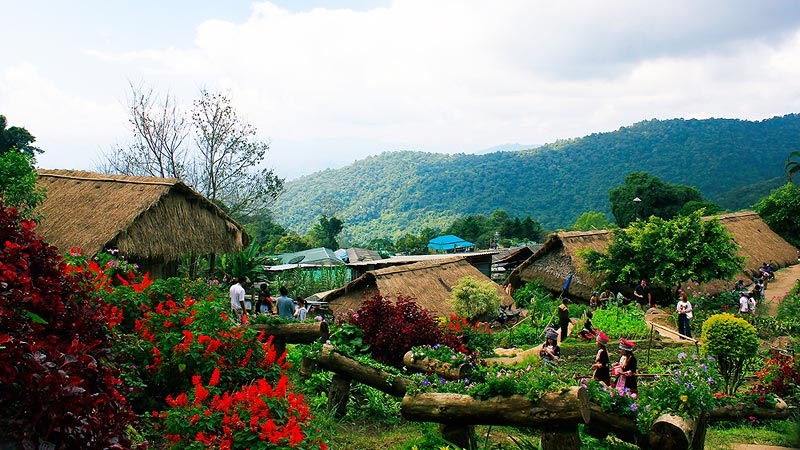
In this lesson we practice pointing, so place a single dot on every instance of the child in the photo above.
(626, 368)
(301, 311)
(550, 351)
(588, 331)
(600, 365)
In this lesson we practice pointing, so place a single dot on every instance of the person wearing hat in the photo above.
(588, 332)
(600, 366)
(550, 351)
(626, 368)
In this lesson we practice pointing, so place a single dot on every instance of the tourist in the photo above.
(600, 366)
(684, 310)
(301, 311)
(550, 351)
(285, 304)
(744, 303)
(265, 305)
(237, 293)
(642, 295)
(606, 298)
(751, 304)
(593, 301)
(563, 319)
(626, 368)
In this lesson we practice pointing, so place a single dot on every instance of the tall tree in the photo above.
(323, 234)
(667, 252)
(792, 166)
(159, 129)
(781, 211)
(591, 220)
(16, 138)
(643, 196)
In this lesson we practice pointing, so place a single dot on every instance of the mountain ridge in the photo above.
(393, 193)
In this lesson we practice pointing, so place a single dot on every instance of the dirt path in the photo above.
(785, 280)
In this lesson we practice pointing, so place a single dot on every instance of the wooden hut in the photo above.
(429, 282)
(558, 258)
(152, 221)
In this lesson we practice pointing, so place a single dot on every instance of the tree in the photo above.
(734, 344)
(707, 208)
(591, 220)
(223, 164)
(323, 233)
(291, 243)
(159, 130)
(16, 138)
(656, 198)
(667, 252)
(781, 211)
(472, 298)
(18, 183)
(792, 166)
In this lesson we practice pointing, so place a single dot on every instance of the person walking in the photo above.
(563, 319)
(237, 293)
(744, 303)
(285, 304)
(643, 295)
(685, 314)
(601, 366)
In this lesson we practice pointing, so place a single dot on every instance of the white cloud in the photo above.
(327, 85)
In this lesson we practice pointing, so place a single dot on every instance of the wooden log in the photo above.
(391, 384)
(307, 367)
(739, 411)
(699, 438)
(461, 435)
(443, 369)
(295, 333)
(570, 407)
(670, 432)
(561, 439)
(338, 395)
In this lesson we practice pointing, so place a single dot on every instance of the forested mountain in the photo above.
(397, 192)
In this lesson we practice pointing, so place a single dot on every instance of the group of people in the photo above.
(624, 369)
(284, 307)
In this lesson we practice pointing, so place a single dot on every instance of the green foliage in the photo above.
(685, 391)
(667, 252)
(781, 211)
(525, 333)
(484, 231)
(705, 207)
(304, 282)
(292, 243)
(395, 193)
(792, 166)
(609, 399)
(656, 198)
(734, 344)
(531, 293)
(472, 298)
(248, 263)
(18, 182)
(624, 321)
(592, 220)
(17, 138)
(323, 234)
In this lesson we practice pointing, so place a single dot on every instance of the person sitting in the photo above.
(550, 351)
(593, 300)
(588, 332)
(606, 298)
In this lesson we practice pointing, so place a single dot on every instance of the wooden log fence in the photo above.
(294, 333)
(446, 370)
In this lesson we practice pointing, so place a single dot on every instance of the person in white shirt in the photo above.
(744, 307)
(237, 293)
(684, 309)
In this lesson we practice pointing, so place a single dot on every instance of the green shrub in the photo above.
(621, 321)
(472, 298)
(525, 334)
(734, 344)
(529, 294)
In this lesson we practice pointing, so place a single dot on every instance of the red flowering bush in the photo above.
(463, 336)
(781, 376)
(392, 329)
(56, 384)
(255, 416)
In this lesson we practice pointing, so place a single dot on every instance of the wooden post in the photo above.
(307, 367)
(601, 423)
(338, 394)
(280, 348)
(561, 438)
(670, 432)
(461, 435)
(295, 333)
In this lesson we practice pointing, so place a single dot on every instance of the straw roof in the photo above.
(428, 282)
(146, 218)
(558, 258)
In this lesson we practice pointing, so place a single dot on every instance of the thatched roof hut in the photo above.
(152, 221)
(429, 282)
(558, 258)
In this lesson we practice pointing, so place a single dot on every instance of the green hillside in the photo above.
(397, 192)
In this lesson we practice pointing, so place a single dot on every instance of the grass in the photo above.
(723, 435)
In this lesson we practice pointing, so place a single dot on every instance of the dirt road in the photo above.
(785, 280)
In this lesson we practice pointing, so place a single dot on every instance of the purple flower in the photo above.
(711, 358)
(442, 381)
(681, 355)
(633, 407)
(425, 382)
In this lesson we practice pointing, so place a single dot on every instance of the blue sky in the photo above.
(329, 82)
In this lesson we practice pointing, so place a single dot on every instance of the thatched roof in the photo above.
(558, 258)
(429, 282)
(144, 217)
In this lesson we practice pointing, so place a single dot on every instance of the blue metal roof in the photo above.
(448, 242)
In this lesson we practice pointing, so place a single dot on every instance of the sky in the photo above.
(331, 82)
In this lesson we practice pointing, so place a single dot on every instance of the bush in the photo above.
(392, 329)
(622, 321)
(781, 376)
(472, 298)
(56, 383)
(528, 295)
(734, 344)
